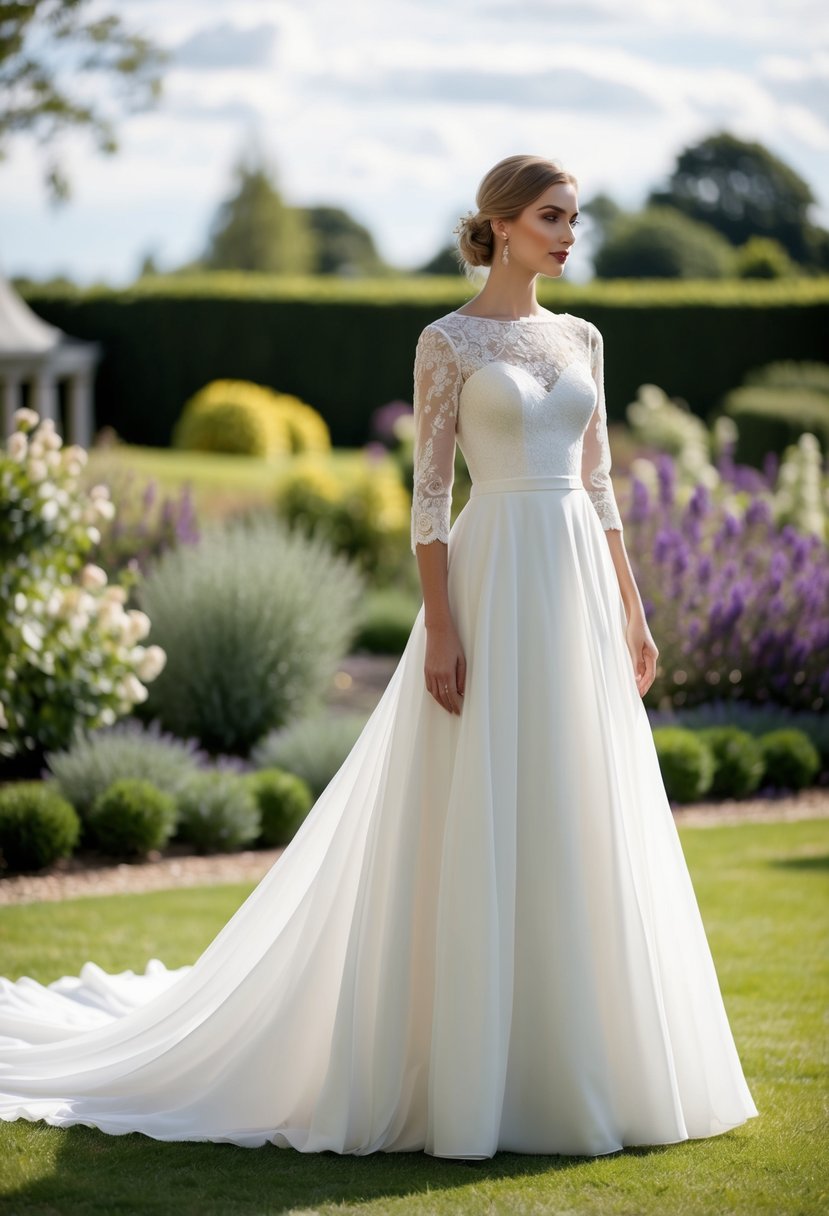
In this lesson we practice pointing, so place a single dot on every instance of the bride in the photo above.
(484, 935)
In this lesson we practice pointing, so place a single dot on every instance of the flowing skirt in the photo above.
(483, 936)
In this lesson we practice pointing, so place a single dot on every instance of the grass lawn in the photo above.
(762, 891)
(220, 482)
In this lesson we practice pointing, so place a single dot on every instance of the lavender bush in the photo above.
(738, 603)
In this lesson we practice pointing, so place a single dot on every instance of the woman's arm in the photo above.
(437, 385)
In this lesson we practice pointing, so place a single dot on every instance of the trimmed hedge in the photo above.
(131, 818)
(37, 826)
(348, 347)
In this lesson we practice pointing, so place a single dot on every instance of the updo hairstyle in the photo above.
(505, 191)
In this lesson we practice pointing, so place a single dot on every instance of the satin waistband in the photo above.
(553, 481)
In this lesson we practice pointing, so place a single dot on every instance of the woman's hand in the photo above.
(643, 652)
(445, 667)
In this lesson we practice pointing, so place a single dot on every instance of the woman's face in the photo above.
(541, 236)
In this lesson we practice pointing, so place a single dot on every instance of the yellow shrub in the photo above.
(242, 417)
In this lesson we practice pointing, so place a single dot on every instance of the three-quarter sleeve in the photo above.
(437, 385)
(596, 458)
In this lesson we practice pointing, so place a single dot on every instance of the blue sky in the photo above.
(394, 109)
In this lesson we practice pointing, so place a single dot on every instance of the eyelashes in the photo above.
(557, 217)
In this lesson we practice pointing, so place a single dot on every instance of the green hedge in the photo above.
(348, 347)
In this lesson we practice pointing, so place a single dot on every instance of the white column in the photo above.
(80, 421)
(11, 402)
(45, 397)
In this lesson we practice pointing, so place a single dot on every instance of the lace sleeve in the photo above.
(596, 458)
(437, 386)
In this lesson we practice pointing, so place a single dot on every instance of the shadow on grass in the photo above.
(818, 862)
(95, 1173)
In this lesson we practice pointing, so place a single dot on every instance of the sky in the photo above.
(395, 109)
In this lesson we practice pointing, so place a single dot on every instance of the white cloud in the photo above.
(396, 110)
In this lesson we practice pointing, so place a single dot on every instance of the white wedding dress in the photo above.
(484, 935)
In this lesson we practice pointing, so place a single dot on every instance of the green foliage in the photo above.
(762, 257)
(738, 761)
(69, 651)
(237, 416)
(388, 616)
(662, 243)
(686, 763)
(361, 510)
(42, 45)
(284, 799)
(808, 375)
(742, 190)
(791, 759)
(696, 338)
(770, 418)
(255, 230)
(94, 760)
(254, 619)
(132, 817)
(37, 826)
(343, 246)
(314, 747)
(218, 812)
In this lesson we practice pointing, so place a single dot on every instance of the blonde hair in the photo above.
(505, 191)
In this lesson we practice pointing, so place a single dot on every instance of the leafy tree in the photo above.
(49, 49)
(445, 262)
(343, 246)
(255, 230)
(661, 243)
(763, 258)
(743, 190)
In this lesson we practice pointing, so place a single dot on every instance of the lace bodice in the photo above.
(520, 398)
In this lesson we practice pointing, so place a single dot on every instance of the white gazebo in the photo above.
(41, 355)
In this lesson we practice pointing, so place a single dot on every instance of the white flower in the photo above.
(50, 510)
(105, 508)
(31, 637)
(54, 602)
(138, 626)
(112, 616)
(25, 419)
(152, 663)
(76, 452)
(38, 470)
(132, 689)
(107, 716)
(115, 592)
(20, 602)
(101, 490)
(79, 622)
(17, 446)
(93, 534)
(4, 722)
(93, 578)
(53, 460)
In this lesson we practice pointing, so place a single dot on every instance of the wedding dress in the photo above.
(484, 935)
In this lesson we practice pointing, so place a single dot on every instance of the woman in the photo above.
(484, 935)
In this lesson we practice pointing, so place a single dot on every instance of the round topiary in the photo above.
(686, 762)
(792, 760)
(284, 799)
(36, 826)
(738, 761)
(131, 817)
(218, 813)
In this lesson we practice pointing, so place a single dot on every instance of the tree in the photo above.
(743, 190)
(48, 51)
(255, 230)
(343, 246)
(662, 243)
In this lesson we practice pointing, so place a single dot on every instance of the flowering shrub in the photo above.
(738, 605)
(70, 651)
(145, 525)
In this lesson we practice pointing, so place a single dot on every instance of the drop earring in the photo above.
(505, 251)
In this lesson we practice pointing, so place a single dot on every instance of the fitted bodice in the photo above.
(521, 398)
